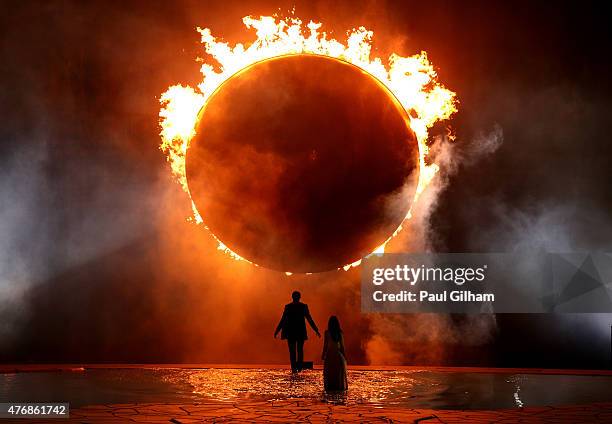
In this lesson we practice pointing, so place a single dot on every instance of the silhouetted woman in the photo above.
(334, 366)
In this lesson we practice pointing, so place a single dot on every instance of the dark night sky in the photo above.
(97, 262)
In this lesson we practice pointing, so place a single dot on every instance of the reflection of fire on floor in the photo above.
(312, 411)
(259, 393)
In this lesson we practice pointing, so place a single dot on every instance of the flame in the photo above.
(412, 80)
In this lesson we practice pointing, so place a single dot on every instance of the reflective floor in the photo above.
(409, 389)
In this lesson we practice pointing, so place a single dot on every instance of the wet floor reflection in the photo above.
(404, 388)
(415, 389)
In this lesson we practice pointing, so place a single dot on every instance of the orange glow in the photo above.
(411, 79)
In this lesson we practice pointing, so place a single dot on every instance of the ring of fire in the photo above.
(303, 163)
(412, 80)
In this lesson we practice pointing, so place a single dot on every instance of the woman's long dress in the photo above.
(334, 365)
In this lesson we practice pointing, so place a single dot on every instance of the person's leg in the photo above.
(300, 353)
(291, 344)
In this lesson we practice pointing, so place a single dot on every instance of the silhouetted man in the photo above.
(293, 326)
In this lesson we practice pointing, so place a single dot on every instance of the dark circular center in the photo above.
(302, 163)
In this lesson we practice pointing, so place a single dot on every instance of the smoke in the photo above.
(430, 338)
(22, 255)
(425, 338)
(547, 227)
(558, 228)
(48, 231)
(450, 155)
(544, 193)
